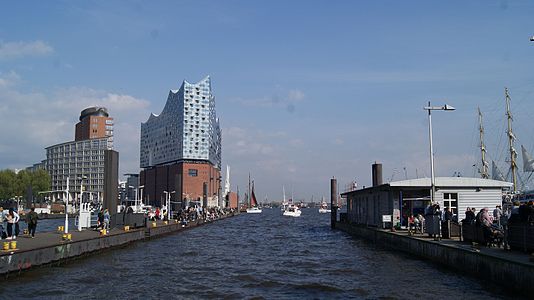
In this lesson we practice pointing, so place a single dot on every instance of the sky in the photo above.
(305, 90)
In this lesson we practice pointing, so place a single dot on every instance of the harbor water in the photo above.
(252, 255)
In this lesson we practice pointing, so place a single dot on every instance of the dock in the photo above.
(493, 264)
(50, 247)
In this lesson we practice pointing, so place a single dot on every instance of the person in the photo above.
(31, 220)
(12, 219)
(101, 219)
(411, 224)
(2, 220)
(497, 213)
(486, 221)
(469, 216)
(448, 214)
(106, 219)
(157, 216)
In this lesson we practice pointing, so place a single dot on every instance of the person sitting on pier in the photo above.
(411, 225)
(485, 222)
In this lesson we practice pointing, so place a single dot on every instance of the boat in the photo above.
(323, 209)
(253, 209)
(292, 210)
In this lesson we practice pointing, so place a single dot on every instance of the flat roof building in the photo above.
(402, 198)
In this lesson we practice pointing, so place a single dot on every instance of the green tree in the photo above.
(8, 180)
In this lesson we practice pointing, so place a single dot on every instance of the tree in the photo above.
(7, 184)
(12, 184)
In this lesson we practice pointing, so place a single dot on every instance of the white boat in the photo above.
(254, 209)
(323, 209)
(292, 211)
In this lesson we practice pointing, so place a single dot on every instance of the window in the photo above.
(193, 172)
(450, 200)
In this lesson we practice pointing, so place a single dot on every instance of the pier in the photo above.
(493, 264)
(51, 248)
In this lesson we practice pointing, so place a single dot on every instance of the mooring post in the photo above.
(333, 202)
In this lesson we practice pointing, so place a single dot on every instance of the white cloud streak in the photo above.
(10, 50)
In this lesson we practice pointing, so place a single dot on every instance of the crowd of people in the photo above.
(189, 214)
(9, 223)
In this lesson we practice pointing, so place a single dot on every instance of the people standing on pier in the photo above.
(497, 213)
(2, 220)
(31, 220)
(12, 221)
(101, 218)
(106, 219)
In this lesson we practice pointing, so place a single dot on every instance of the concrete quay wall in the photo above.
(498, 270)
(15, 261)
(22, 260)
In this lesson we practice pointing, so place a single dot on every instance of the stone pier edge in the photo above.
(22, 260)
(503, 272)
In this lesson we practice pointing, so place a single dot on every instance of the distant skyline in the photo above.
(305, 90)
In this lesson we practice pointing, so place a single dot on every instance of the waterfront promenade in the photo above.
(51, 247)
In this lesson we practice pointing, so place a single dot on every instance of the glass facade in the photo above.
(186, 129)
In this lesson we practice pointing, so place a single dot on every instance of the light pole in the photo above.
(432, 179)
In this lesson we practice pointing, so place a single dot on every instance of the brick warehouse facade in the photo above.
(181, 178)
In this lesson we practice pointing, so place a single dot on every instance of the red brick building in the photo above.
(94, 123)
(182, 178)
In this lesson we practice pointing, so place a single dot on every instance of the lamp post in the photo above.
(432, 179)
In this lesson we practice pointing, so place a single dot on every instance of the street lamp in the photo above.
(432, 179)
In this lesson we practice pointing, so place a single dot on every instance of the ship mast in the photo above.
(511, 139)
(484, 170)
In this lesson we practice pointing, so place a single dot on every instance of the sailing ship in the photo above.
(253, 208)
(512, 175)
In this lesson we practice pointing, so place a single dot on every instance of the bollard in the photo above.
(165, 222)
(67, 236)
(154, 224)
(103, 232)
(126, 228)
(13, 245)
(6, 246)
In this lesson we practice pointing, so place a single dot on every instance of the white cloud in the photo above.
(19, 49)
(287, 100)
(33, 121)
(9, 79)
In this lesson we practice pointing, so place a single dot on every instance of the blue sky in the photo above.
(305, 90)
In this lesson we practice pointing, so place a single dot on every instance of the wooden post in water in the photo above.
(333, 202)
